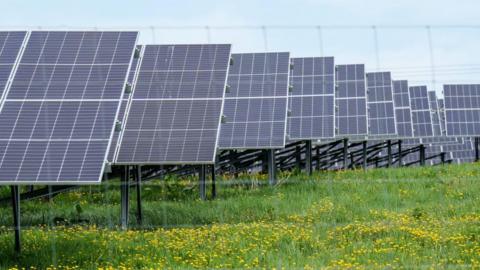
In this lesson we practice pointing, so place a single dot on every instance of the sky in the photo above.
(384, 35)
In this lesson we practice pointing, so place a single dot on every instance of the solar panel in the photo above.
(256, 105)
(60, 110)
(10, 47)
(462, 109)
(121, 115)
(441, 115)
(351, 101)
(175, 109)
(311, 101)
(403, 114)
(381, 113)
(421, 117)
(432, 99)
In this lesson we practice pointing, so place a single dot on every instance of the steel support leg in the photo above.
(318, 158)
(422, 155)
(364, 155)
(124, 196)
(214, 184)
(345, 153)
(477, 150)
(201, 176)
(272, 168)
(138, 177)
(15, 193)
(298, 157)
(308, 157)
(442, 158)
(400, 161)
(389, 153)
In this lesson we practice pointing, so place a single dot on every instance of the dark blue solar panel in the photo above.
(462, 109)
(441, 114)
(311, 101)
(10, 45)
(403, 114)
(60, 109)
(421, 116)
(381, 113)
(256, 105)
(175, 108)
(351, 101)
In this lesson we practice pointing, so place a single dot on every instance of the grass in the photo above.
(385, 218)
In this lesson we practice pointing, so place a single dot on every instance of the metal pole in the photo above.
(139, 195)
(308, 157)
(422, 155)
(400, 153)
(442, 157)
(389, 153)
(272, 168)
(477, 150)
(318, 157)
(201, 176)
(364, 155)
(298, 157)
(124, 196)
(214, 187)
(345, 153)
(16, 216)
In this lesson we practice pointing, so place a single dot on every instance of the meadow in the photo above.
(381, 218)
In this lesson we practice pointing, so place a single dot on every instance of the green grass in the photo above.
(409, 217)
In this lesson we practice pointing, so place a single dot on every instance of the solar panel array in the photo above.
(256, 104)
(175, 109)
(58, 116)
(381, 112)
(351, 101)
(432, 99)
(311, 100)
(462, 109)
(403, 114)
(421, 116)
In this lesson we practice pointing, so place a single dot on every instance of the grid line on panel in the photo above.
(462, 109)
(63, 144)
(174, 111)
(13, 43)
(351, 93)
(256, 106)
(313, 82)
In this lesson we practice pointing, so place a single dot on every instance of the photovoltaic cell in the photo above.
(60, 110)
(421, 116)
(311, 100)
(432, 99)
(10, 46)
(401, 100)
(462, 109)
(256, 105)
(174, 112)
(381, 112)
(351, 101)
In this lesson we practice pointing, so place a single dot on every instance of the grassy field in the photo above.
(395, 218)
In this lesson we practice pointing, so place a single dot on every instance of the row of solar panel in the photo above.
(63, 91)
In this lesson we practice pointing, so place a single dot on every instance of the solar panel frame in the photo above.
(131, 37)
(278, 96)
(351, 92)
(462, 109)
(432, 99)
(322, 90)
(382, 119)
(119, 160)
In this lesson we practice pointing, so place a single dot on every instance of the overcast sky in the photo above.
(404, 50)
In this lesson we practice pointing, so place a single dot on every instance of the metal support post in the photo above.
(16, 216)
(124, 196)
(308, 157)
(272, 167)
(345, 153)
(202, 183)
